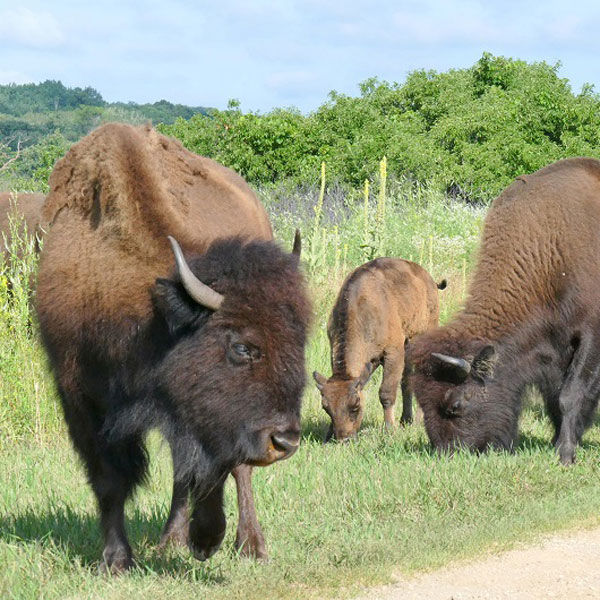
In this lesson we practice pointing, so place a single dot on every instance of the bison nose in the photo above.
(345, 438)
(286, 441)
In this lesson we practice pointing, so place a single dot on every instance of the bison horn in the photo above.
(198, 291)
(462, 367)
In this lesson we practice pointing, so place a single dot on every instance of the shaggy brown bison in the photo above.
(212, 353)
(381, 305)
(26, 205)
(532, 317)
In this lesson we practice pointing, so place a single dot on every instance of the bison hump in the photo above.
(134, 186)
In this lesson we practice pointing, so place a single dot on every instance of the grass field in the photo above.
(336, 517)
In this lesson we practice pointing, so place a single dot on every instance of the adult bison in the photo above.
(211, 353)
(532, 317)
(25, 205)
(380, 307)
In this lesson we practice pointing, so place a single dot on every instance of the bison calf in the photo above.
(381, 305)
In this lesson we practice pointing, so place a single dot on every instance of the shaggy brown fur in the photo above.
(532, 317)
(29, 207)
(103, 306)
(381, 306)
(125, 189)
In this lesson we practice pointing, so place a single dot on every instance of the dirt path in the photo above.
(561, 567)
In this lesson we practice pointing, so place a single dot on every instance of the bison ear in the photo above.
(320, 380)
(297, 247)
(175, 305)
(482, 366)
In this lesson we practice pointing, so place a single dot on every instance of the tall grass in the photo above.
(27, 407)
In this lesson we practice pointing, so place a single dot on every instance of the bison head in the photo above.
(236, 320)
(342, 400)
(463, 401)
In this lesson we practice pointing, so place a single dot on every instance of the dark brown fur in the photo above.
(380, 307)
(531, 317)
(130, 350)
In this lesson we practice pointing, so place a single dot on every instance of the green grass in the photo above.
(336, 517)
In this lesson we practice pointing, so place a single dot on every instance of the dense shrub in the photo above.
(467, 131)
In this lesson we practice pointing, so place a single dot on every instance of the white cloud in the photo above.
(14, 77)
(565, 28)
(475, 21)
(25, 27)
(435, 22)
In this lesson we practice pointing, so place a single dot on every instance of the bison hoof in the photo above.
(567, 459)
(178, 536)
(115, 562)
(204, 548)
(252, 546)
(566, 453)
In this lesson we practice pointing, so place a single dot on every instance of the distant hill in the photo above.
(31, 111)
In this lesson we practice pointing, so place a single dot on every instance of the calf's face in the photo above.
(342, 399)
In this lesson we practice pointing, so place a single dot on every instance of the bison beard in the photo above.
(532, 318)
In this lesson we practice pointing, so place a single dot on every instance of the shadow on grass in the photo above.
(77, 536)
(314, 430)
(528, 441)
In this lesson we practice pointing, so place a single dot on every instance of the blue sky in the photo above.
(271, 53)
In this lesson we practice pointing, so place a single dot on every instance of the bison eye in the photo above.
(242, 351)
(242, 354)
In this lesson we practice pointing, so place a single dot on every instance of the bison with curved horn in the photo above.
(210, 351)
(532, 317)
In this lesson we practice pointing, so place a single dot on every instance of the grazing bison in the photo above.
(212, 353)
(532, 317)
(26, 205)
(381, 305)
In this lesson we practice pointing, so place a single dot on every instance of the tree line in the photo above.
(32, 111)
(467, 132)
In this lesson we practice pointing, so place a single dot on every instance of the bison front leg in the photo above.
(176, 528)
(119, 468)
(578, 397)
(249, 539)
(207, 522)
